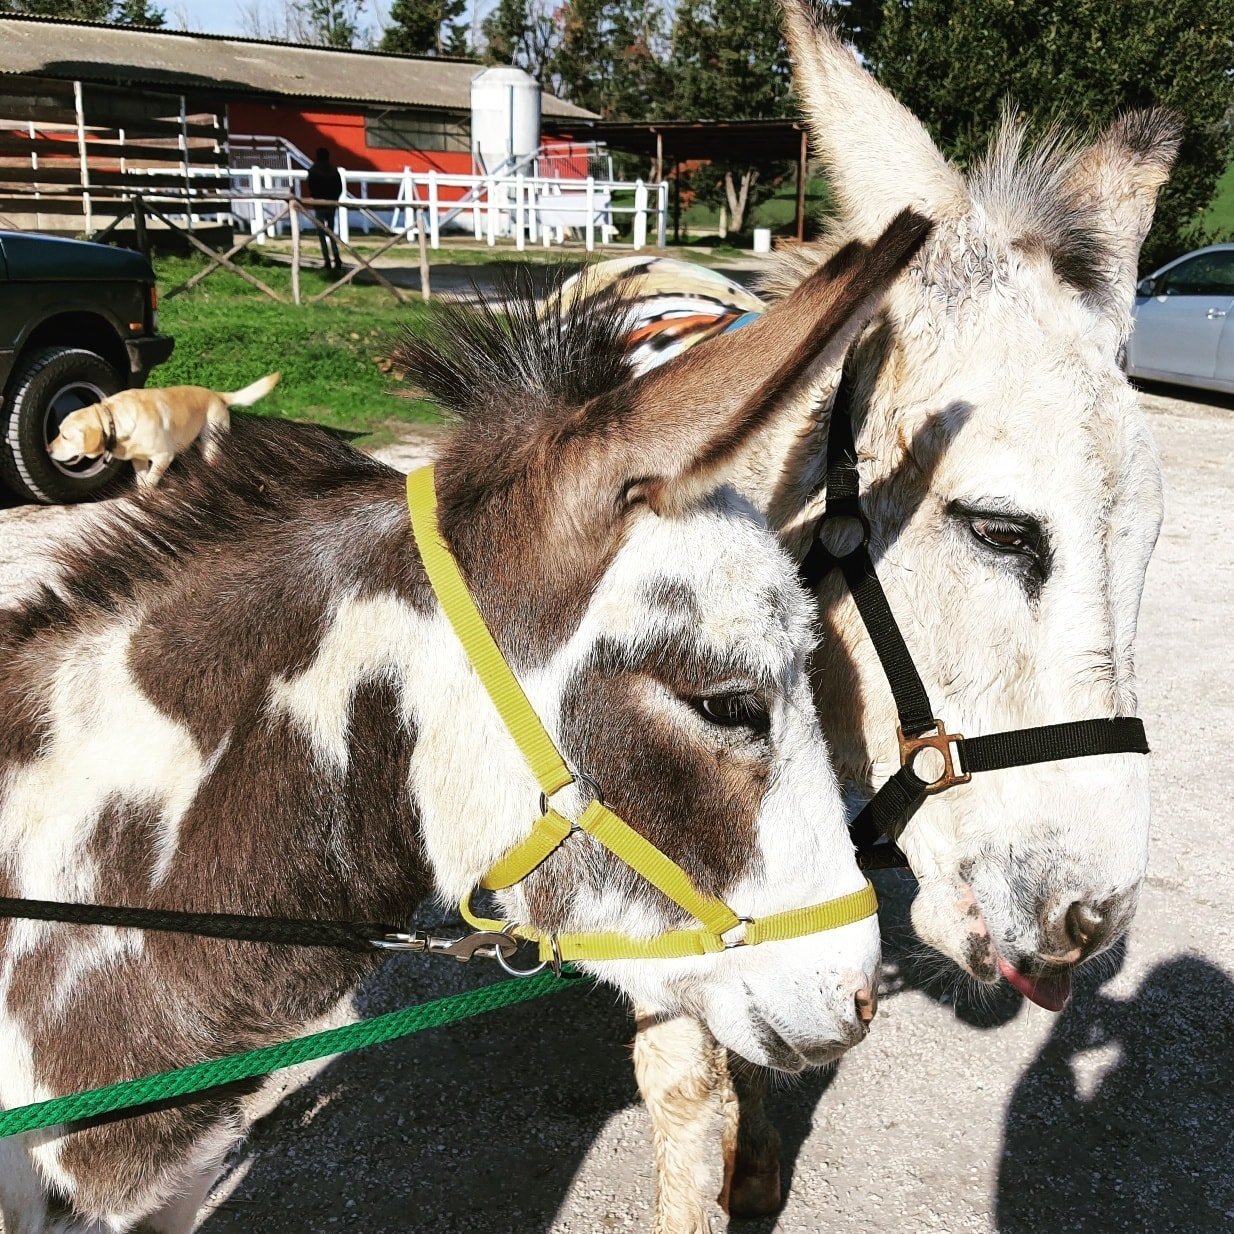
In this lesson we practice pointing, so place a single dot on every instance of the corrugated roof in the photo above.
(123, 56)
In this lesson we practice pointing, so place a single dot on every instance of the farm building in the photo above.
(89, 112)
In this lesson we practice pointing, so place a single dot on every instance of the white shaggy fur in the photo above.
(990, 383)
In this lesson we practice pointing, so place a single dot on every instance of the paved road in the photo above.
(1117, 1116)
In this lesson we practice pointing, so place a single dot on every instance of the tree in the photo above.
(332, 23)
(66, 10)
(954, 62)
(524, 33)
(612, 57)
(138, 13)
(281, 24)
(426, 28)
(729, 62)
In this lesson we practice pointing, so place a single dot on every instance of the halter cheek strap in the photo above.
(720, 926)
(899, 798)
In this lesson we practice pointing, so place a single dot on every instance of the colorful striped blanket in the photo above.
(673, 304)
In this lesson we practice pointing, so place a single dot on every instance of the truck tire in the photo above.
(45, 387)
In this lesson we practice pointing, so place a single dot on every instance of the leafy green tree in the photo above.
(524, 33)
(611, 56)
(67, 10)
(729, 62)
(138, 13)
(954, 62)
(426, 28)
(332, 23)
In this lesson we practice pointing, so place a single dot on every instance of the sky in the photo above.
(225, 16)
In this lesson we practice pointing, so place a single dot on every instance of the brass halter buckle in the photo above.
(946, 744)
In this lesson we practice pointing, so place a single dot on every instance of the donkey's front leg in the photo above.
(681, 1072)
(751, 1144)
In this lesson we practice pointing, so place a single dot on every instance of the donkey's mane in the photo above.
(503, 362)
(1028, 188)
(266, 474)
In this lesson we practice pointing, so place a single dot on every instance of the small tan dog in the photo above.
(150, 427)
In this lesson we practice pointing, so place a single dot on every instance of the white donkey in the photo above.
(242, 695)
(1013, 496)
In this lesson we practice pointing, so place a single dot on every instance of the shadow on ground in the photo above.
(1125, 1120)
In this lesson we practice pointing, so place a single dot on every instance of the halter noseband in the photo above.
(899, 798)
(721, 927)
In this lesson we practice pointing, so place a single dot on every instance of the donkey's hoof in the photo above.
(755, 1190)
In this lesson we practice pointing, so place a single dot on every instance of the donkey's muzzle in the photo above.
(1082, 930)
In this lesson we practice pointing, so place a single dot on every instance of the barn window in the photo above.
(418, 130)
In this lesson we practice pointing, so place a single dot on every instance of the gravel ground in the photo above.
(1116, 1116)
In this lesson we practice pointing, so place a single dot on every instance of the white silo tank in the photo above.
(505, 117)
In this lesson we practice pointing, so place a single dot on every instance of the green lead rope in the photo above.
(153, 1088)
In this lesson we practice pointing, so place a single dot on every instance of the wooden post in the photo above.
(802, 171)
(258, 206)
(184, 159)
(676, 203)
(659, 156)
(34, 159)
(421, 225)
(80, 108)
(139, 226)
(295, 253)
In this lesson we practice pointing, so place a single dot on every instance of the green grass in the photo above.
(779, 211)
(331, 355)
(1218, 220)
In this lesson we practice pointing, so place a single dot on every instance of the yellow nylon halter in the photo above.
(597, 820)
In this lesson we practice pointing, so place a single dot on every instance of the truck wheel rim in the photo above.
(70, 397)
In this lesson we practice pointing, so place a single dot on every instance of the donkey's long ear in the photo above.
(878, 154)
(1115, 182)
(675, 434)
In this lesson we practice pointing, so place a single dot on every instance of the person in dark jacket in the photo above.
(326, 185)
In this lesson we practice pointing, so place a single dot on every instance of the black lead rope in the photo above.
(887, 813)
(291, 931)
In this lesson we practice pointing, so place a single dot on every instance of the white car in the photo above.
(1184, 322)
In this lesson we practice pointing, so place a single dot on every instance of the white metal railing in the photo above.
(519, 207)
(264, 150)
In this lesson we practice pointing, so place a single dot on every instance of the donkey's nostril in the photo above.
(867, 1004)
(1083, 924)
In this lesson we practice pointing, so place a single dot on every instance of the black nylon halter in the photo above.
(888, 812)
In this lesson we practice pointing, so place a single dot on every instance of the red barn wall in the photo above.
(342, 133)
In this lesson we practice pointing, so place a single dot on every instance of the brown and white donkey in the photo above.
(241, 695)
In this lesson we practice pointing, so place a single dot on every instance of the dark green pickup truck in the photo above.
(78, 322)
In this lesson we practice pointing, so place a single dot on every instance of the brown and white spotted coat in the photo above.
(240, 695)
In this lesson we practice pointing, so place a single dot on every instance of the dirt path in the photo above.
(952, 1117)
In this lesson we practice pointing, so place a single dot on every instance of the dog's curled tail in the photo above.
(250, 394)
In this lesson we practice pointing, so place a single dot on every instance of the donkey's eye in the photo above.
(1006, 536)
(741, 710)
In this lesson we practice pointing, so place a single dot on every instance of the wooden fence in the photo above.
(71, 154)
